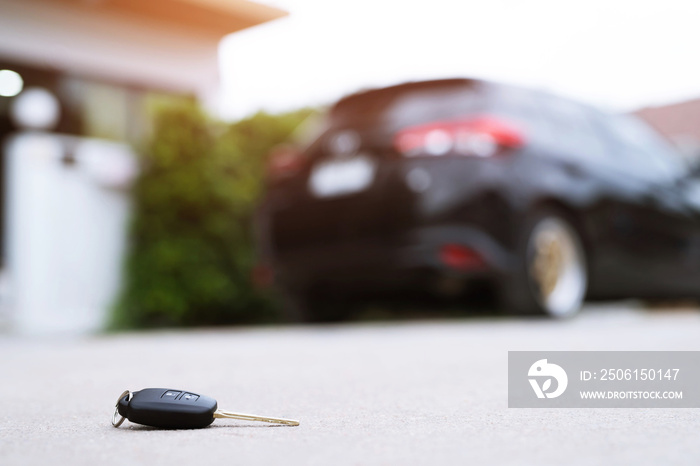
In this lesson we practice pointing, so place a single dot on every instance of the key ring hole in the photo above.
(115, 422)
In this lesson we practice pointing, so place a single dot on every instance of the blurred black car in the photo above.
(456, 181)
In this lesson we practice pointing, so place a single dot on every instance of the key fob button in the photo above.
(170, 394)
(189, 397)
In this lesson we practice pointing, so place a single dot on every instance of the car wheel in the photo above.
(551, 276)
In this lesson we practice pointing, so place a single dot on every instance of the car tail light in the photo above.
(481, 136)
(285, 161)
(460, 257)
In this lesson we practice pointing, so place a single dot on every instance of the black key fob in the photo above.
(168, 408)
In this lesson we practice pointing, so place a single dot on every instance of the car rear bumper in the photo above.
(401, 261)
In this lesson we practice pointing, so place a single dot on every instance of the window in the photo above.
(572, 130)
(409, 104)
(642, 151)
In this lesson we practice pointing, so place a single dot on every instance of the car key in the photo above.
(176, 409)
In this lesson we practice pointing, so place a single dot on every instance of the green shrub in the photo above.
(191, 254)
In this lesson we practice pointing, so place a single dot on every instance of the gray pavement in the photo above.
(428, 392)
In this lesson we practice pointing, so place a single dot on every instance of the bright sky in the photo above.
(618, 54)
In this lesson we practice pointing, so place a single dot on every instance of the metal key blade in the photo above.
(251, 417)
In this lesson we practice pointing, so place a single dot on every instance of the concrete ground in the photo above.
(430, 392)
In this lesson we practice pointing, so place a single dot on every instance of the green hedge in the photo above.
(191, 249)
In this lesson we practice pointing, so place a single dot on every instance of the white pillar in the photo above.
(67, 210)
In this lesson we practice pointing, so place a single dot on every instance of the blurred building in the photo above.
(679, 122)
(77, 80)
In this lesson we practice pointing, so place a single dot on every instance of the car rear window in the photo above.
(410, 104)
